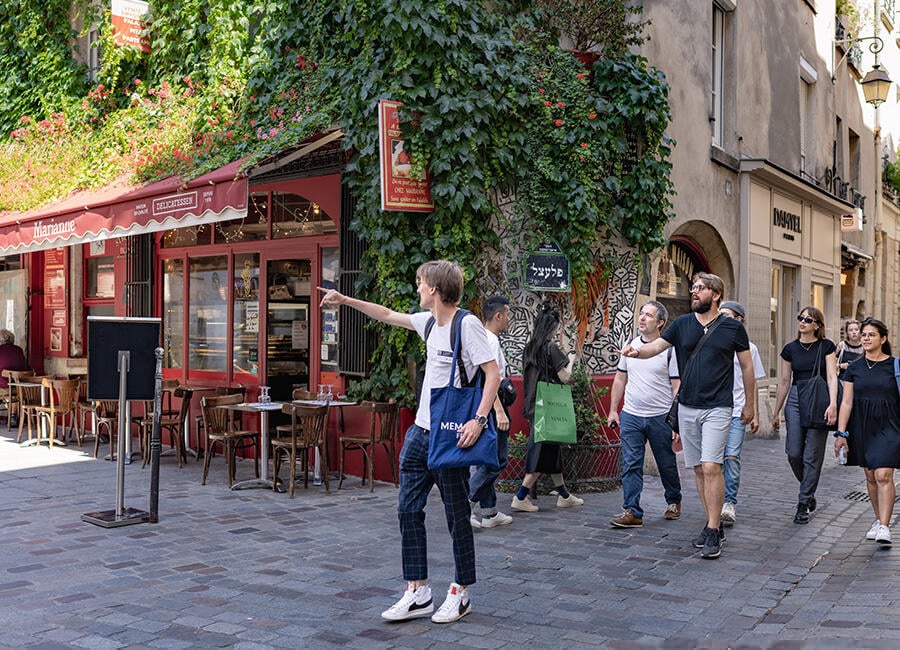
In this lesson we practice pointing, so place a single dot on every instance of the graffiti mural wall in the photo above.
(611, 322)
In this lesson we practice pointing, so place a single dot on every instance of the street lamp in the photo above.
(876, 83)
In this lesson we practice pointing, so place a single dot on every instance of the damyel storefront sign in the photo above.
(787, 221)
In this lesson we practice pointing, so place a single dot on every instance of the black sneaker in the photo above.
(721, 534)
(811, 504)
(802, 516)
(700, 539)
(712, 548)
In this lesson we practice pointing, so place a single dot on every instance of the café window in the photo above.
(295, 216)
(101, 277)
(173, 313)
(207, 311)
(246, 313)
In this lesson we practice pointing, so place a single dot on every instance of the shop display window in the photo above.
(188, 236)
(173, 313)
(207, 310)
(330, 334)
(295, 216)
(246, 313)
(101, 277)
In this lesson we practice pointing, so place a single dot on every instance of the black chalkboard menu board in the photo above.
(546, 268)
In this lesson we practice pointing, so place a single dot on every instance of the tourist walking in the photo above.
(543, 360)
(705, 399)
(738, 429)
(850, 349)
(648, 386)
(869, 423)
(802, 358)
(482, 493)
(440, 287)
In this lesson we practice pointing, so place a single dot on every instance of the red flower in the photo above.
(548, 103)
(584, 145)
(561, 104)
(580, 75)
(559, 122)
(592, 116)
(541, 90)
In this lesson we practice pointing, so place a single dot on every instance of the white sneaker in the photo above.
(873, 530)
(569, 501)
(455, 606)
(475, 520)
(523, 505)
(728, 515)
(498, 519)
(883, 536)
(415, 603)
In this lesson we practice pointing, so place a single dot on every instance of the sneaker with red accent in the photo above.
(455, 606)
(415, 603)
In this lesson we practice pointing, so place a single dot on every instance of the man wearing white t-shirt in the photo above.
(482, 494)
(649, 386)
(440, 288)
(738, 430)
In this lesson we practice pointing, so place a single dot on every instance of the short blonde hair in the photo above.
(7, 337)
(446, 277)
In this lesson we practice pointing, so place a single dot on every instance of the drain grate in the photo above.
(863, 497)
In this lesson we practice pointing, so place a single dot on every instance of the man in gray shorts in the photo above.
(705, 399)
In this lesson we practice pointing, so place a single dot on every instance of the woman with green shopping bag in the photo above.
(544, 361)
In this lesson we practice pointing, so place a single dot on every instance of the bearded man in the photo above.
(705, 399)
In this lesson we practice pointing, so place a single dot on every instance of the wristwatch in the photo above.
(482, 420)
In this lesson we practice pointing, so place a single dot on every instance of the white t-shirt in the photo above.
(738, 393)
(473, 347)
(494, 342)
(648, 392)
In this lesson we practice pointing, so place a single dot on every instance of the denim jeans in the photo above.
(805, 448)
(635, 432)
(733, 459)
(416, 481)
(481, 482)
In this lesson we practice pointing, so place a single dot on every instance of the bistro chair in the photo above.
(83, 408)
(283, 430)
(144, 421)
(11, 399)
(174, 423)
(219, 428)
(309, 427)
(382, 432)
(62, 398)
(30, 399)
(105, 416)
(238, 389)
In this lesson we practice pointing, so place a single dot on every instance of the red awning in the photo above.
(127, 210)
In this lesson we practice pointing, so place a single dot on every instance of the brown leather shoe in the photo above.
(627, 520)
(673, 511)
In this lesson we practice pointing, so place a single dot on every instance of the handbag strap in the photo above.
(897, 372)
(818, 359)
(457, 358)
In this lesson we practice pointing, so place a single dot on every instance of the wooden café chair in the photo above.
(218, 424)
(237, 389)
(382, 432)
(309, 429)
(173, 422)
(11, 400)
(30, 399)
(62, 397)
(106, 416)
(283, 430)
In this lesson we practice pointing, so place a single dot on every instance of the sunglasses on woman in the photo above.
(805, 319)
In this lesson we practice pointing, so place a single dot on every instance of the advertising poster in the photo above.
(55, 278)
(128, 21)
(399, 192)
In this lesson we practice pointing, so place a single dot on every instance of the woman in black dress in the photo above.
(543, 360)
(811, 352)
(869, 423)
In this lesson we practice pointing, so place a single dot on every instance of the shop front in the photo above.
(792, 251)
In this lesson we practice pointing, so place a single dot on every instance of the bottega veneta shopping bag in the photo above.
(812, 394)
(554, 414)
(451, 408)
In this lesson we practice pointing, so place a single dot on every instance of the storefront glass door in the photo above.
(289, 288)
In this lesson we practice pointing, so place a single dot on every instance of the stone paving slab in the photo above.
(255, 570)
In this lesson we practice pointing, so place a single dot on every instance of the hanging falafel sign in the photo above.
(546, 268)
(399, 190)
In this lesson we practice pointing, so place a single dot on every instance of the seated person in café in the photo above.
(11, 358)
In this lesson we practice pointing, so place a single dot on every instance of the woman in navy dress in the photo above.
(869, 423)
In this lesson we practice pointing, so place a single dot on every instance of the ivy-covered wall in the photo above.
(492, 106)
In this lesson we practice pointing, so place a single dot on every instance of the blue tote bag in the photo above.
(451, 408)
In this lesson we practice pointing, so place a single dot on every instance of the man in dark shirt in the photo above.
(705, 399)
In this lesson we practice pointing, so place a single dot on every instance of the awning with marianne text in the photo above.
(118, 211)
